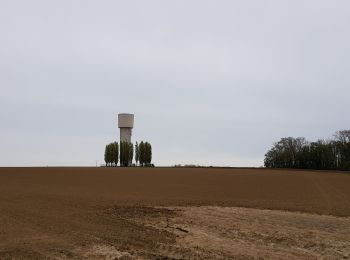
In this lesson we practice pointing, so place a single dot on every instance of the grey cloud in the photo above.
(210, 82)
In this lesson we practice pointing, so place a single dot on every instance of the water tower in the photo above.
(125, 123)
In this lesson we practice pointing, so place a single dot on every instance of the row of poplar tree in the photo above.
(330, 154)
(124, 153)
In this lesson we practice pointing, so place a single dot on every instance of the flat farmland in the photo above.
(173, 213)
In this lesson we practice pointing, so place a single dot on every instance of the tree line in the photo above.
(124, 154)
(324, 154)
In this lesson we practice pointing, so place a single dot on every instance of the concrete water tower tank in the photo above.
(125, 123)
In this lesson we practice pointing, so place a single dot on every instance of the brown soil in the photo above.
(118, 213)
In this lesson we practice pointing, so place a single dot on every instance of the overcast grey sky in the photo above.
(209, 82)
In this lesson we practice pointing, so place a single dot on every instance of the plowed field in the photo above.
(173, 213)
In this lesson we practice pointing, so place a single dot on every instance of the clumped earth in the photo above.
(173, 213)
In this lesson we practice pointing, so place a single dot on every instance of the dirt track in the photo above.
(112, 213)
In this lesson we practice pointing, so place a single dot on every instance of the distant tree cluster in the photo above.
(125, 153)
(331, 154)
(112, 154)
(143, 155)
